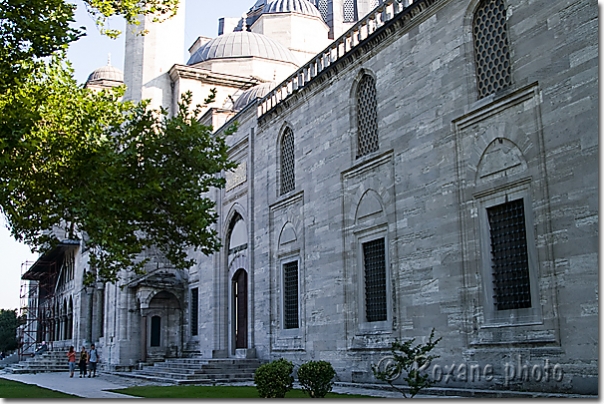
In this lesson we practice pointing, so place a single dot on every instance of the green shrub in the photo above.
(316, 378)
(274, 379)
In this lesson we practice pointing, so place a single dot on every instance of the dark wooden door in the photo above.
(240, 306)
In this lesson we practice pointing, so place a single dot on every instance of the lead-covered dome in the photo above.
(251, 94)
(242, 44)
(106, 73)
(291, 6)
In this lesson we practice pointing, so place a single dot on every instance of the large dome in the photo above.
(242, 44)
(291, 6)
(106, 73)
(251, 94)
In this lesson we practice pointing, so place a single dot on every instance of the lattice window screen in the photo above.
(323, 9)
(290, 298)
(374, 256)
(373, 4)
(350, 14)
(511, 285)
(491, 50)
(288, 180)
(367, 124)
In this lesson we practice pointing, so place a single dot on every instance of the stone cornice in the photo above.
(399, 24)
(186, 72)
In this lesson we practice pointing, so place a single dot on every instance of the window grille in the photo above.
(290, 297)
(288, 180)
(374, 255)
(350, 14)
(367, 117)
(323, 9)
(491, 48)
(194, 311)
(511, 285)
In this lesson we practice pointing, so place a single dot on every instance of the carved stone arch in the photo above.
(372, 184)
(501, 158)
(237, 262)
(236, 213)
(163, 292)
(370, 206)
(489, 134)
(287, 235)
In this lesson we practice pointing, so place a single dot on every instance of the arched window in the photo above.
(367, 124)
(288, 179)
(491, 48)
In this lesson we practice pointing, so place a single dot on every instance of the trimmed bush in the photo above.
(274, 379)
(316, 378)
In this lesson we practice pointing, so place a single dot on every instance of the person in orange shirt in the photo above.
(71, 358)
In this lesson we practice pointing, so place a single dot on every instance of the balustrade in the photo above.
(356, 35)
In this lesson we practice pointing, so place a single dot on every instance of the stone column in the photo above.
(97, 313)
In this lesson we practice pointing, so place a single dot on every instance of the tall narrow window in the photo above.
(511, 285)
(155, 330)
(350, 12)
(288, 179)
(374, 259)
(290, 295)
(491, 48)
(194, 311)
(367, 124)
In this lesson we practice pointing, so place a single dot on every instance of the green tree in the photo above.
(8, 330)
(119, 176)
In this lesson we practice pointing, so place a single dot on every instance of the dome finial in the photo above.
(109, 59)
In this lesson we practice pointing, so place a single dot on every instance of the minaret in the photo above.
(149, 57)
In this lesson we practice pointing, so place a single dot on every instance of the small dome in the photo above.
(108, 73)
(291, 6)
(251, 94)
(242, 44)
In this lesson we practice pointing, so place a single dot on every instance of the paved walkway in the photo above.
(94, 387)
(97, 387)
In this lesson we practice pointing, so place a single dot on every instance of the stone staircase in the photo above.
(49, 361)
(198, 371)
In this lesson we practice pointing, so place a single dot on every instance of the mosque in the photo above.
(403, 166)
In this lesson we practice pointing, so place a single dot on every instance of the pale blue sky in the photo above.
(90, 53)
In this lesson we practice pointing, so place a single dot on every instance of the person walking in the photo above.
(93, 358)
(71, 359)
(83, 362)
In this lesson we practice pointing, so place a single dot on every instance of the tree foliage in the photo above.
(30, 30)
(130, 10)
(413, 360)
(119, 176)
(8, 330)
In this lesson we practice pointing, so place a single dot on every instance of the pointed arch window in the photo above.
(367, 124)
(491, 48)
(288, 179)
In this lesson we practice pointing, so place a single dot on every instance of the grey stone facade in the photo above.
(445, 158)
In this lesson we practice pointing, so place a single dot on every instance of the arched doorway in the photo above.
(163, 328)
(239, 292)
